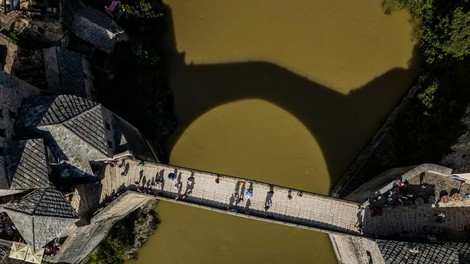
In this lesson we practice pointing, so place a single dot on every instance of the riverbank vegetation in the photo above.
(429, 125)
(125, 238)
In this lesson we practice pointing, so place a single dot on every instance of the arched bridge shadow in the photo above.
(337, 121)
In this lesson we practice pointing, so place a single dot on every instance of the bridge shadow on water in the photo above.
(338, 122)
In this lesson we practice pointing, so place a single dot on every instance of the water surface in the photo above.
(286, 92)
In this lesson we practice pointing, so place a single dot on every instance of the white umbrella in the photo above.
(18, 251)
(35, 257)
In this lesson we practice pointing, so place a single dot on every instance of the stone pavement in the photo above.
(416, 219)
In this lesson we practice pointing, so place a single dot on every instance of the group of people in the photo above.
(179, 185)
(51, 249)
(7, 228)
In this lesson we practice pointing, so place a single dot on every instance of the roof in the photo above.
(26, 164)
(41, 215)
(43, 202)
(448, 253)
(94, 27)
(79, 130)
(50, 110)
(65, 71)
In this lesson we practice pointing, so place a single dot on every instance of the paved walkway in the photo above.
(308, 210)
(417, 220)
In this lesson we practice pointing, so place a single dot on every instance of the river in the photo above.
(286, 92)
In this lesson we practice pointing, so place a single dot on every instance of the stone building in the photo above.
(79, 133)
(417, 214)
(68, 72)
(93, 26)
(50, 142)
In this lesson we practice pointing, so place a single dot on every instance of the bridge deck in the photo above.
(308, 210)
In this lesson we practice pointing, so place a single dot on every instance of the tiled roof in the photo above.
(41, 215)
(90, 127)
(50, 110)
(44, 202)
(64, 71)
(26, 164)
(94, 27)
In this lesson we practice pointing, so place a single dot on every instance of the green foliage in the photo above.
(143, 9)
(429, 124)
(110, 251)
(427, 96)
(442, 28)
(13, 36)
(458, 31)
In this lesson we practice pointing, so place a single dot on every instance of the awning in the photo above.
(25, 252)
(18, 251)
(35, 257)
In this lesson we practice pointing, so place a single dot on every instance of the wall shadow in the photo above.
(338, 122)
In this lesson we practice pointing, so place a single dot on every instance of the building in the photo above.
(49, 145)
(68, 72)
(93, 26)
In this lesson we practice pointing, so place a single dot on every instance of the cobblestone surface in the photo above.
(417, 220)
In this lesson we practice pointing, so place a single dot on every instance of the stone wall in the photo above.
(377, 157)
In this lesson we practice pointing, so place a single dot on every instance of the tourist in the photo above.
(267, 205)
(441, 217)
(360, 228)
(249, 193)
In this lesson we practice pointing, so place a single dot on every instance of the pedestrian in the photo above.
(217, 180)
(267, 205)
(141, 163)
(191, 178)
(289, 194)
(171, 176)
(441, 218)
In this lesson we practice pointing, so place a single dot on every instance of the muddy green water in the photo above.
(286, 92)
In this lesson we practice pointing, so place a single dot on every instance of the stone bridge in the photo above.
(221, 193)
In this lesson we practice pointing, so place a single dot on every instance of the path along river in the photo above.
(286, 92)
